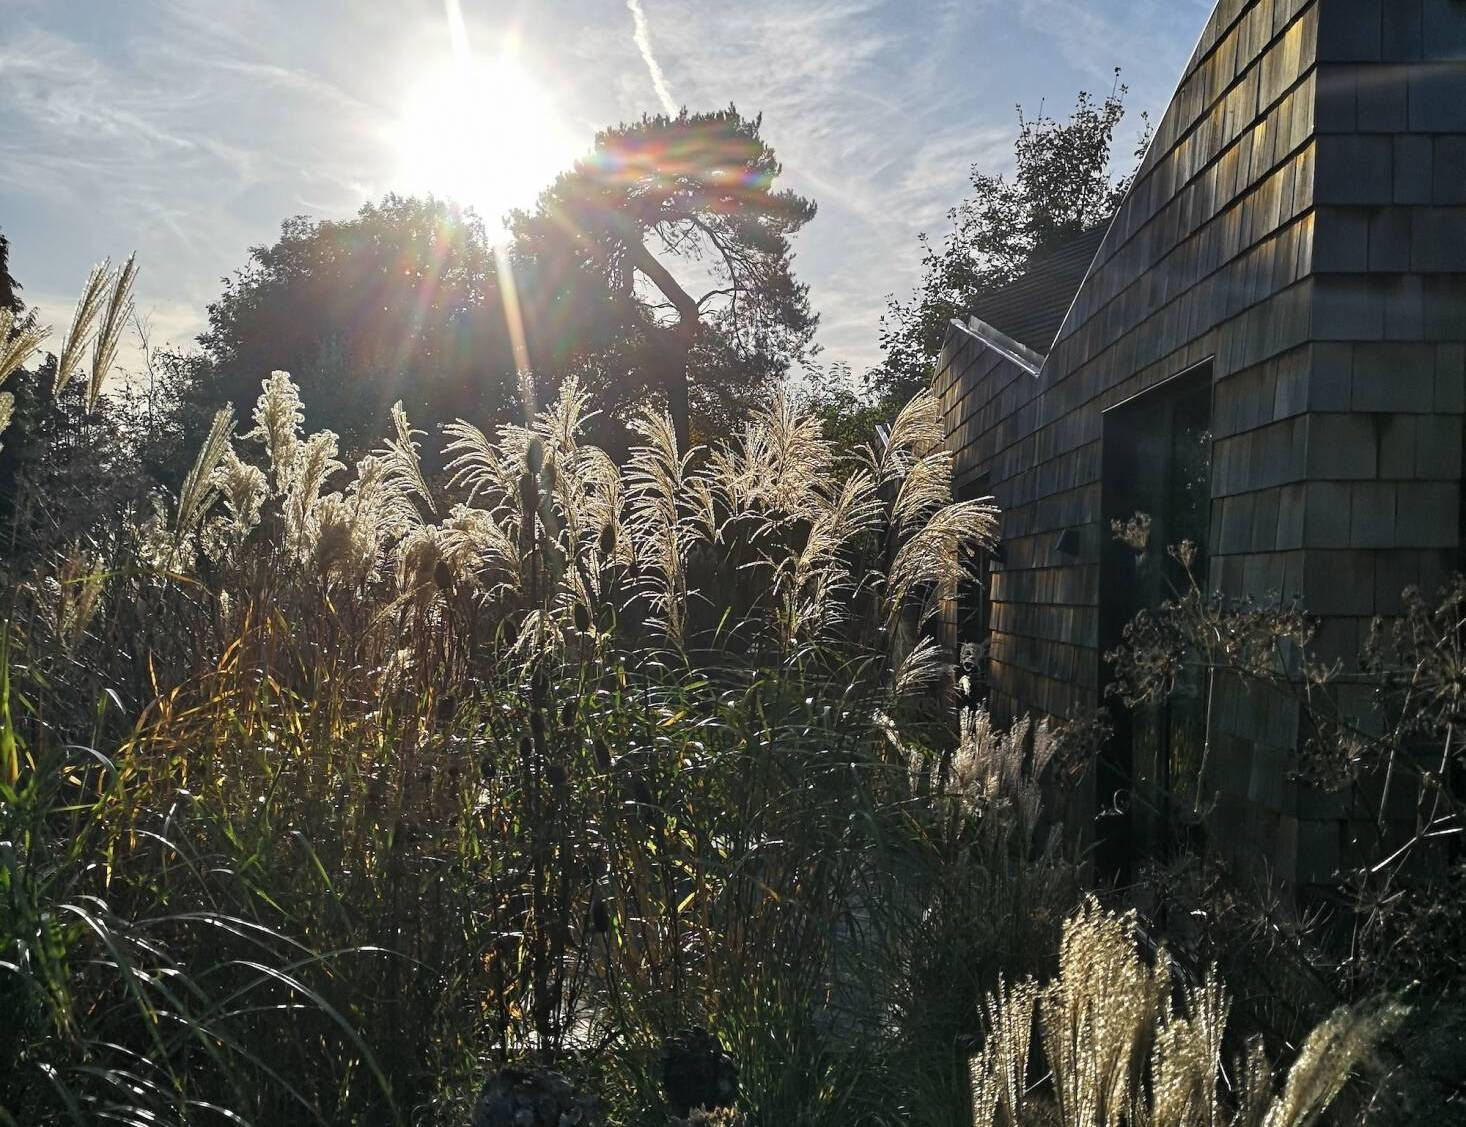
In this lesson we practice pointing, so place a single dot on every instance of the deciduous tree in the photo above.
(1062, 185)
(400, 302)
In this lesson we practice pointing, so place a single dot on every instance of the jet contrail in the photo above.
(642, 35)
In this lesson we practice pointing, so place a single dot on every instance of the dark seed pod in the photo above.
(537, 724)
(582, 618)
(602, 753)
(555, 772)
(539, 689)
(600, 918)
(526, 748)
(443, 576)
(608, 541)
(486, 766)
(568, 711)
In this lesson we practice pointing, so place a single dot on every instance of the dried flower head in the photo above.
(1134, 532)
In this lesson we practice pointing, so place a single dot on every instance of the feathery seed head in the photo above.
(404, 467)
(200, 484)
(278, 417)
(109, 335)
(19, 341)
(83, 324)
(242, 487)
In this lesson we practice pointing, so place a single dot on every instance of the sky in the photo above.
(187, 130)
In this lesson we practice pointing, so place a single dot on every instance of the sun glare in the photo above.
(483, 133)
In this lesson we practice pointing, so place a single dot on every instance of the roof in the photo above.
(1031, 308)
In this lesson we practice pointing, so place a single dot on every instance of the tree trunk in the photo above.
(678, 349)
(673, 343)
(677, 343)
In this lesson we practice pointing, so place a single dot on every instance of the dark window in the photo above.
(1157, 462)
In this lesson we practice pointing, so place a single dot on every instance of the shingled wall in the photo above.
(1300, 221)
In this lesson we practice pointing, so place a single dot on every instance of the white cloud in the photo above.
(642, 36)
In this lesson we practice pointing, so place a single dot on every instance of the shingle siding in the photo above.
(1299, 220)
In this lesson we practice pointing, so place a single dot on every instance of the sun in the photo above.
(483, 133)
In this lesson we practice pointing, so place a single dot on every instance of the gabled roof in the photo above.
(1031, 308)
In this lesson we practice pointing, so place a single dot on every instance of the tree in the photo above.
(401, 302)
(1062, 186)
(9, 287)
(691, 194)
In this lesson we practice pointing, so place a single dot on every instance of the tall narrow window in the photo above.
(1157, 467)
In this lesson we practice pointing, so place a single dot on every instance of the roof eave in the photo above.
(1001, 343)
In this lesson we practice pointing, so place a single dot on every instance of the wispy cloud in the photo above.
(1096, 38)
(641, 33)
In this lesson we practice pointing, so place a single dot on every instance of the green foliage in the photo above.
(9, 287)
(1062, 186)
(75, 467)
(407, 780)
(850, 419)
(401, 302)
(328, 791)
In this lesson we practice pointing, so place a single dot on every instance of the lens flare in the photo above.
(481, 131)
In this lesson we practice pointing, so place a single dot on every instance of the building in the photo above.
(1265, 350)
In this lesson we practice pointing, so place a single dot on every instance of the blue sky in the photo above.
(188, 129)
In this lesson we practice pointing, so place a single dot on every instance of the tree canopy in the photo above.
(664, 252)
(1062, 185)
(663, 260)
(400, 302)
(9, 287)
